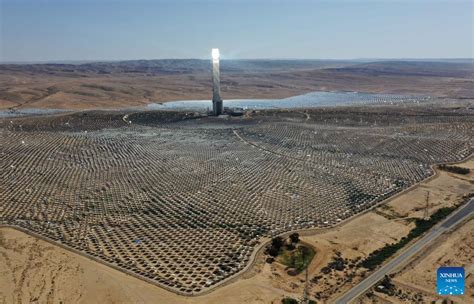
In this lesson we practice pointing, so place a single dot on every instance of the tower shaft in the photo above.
(217, 105)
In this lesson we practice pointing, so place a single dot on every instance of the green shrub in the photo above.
(289, 301)
(294, 237)
(298, 259)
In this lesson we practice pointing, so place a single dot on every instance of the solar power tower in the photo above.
(217, 105)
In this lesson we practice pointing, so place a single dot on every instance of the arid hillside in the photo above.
(139, 82)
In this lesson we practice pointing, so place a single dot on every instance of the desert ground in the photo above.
(136, 83)
(37, 271)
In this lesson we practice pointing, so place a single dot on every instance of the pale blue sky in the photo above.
(48, 30)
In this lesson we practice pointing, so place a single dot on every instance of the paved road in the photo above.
(439, 229)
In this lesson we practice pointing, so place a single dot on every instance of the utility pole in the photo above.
(426, 214)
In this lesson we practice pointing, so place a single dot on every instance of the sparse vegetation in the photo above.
(288, 253)
(377, 257)
(387, 287)
(289, 301)
(297, 259)
(337, 263)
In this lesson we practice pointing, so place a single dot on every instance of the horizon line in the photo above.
(85, 61)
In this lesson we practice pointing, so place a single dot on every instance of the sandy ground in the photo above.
(33, 270)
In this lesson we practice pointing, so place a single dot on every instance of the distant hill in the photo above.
(464, 69)
(139, 82)
(174, 66)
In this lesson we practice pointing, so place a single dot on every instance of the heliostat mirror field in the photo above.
(184, 200)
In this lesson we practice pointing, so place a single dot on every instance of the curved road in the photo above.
(451, 221)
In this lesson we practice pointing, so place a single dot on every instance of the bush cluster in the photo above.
(455, 169)
(378, 256)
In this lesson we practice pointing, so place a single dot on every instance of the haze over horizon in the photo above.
(111, 30)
